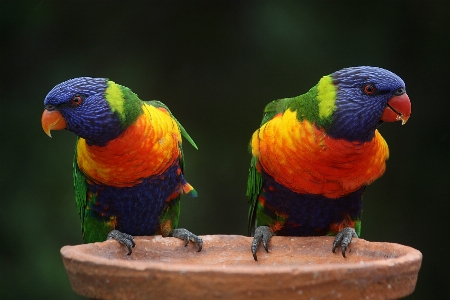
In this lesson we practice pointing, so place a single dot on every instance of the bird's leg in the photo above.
(187, 236)
(262, 233)
(123, 238)
(343, 239)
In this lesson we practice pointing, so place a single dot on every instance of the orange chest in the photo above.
(303, 158)
(146, 148)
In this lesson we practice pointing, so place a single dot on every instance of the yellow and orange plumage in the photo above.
(147, 148)
(306, 160)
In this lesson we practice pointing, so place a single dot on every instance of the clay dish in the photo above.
(295, 268)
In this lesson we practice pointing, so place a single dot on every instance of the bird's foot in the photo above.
(123, 238)
(262, 234)
(343, 239)
(187, 236)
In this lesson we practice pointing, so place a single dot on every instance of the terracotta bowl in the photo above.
(295, 268)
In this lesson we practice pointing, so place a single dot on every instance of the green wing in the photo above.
(93, 230)
(255, 180)
(79, 181)
(254, 185)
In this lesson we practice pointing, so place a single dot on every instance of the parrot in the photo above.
(128, 162)
(314, 154)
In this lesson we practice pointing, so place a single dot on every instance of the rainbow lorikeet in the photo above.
(128, 164)
(314, 155)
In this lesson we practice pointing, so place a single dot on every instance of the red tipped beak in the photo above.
(397, 109)
(52, 120)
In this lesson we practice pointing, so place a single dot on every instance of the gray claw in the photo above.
(343, 239)
(123, 238)
(262, 233)
(187, 236)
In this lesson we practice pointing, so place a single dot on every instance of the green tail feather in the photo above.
(254, 186)
(193, 194)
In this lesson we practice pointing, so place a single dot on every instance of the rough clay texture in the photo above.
(295, 268)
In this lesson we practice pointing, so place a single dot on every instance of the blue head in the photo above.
(365, 98)
(85, 109)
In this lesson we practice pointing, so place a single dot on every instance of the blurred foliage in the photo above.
(216, 64)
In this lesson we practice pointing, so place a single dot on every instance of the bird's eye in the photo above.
(369, 89)
(50, 107)
(76, 100)
(399, 92)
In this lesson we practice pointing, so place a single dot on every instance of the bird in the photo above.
(314, 155)
(128, 165)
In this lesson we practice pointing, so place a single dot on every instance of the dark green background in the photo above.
(216, 64)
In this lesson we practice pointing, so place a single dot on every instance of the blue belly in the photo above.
(137, 209)
(308, 214)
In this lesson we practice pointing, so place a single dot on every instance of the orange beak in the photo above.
(397, 109)
(52, 120)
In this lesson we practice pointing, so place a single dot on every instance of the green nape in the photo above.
(123, 102)
(326, 96)
(316, 106)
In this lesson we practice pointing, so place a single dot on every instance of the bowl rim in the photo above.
(406, 255)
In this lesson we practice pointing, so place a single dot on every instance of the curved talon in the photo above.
(264, 234)
(186, 239)
(343, 239)
(254, 247)
(343, 251)
(123, 238)
(187, 236)
(199, 243)
(265, 243)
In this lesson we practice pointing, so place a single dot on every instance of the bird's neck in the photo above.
(305, 159)
(147, 147)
